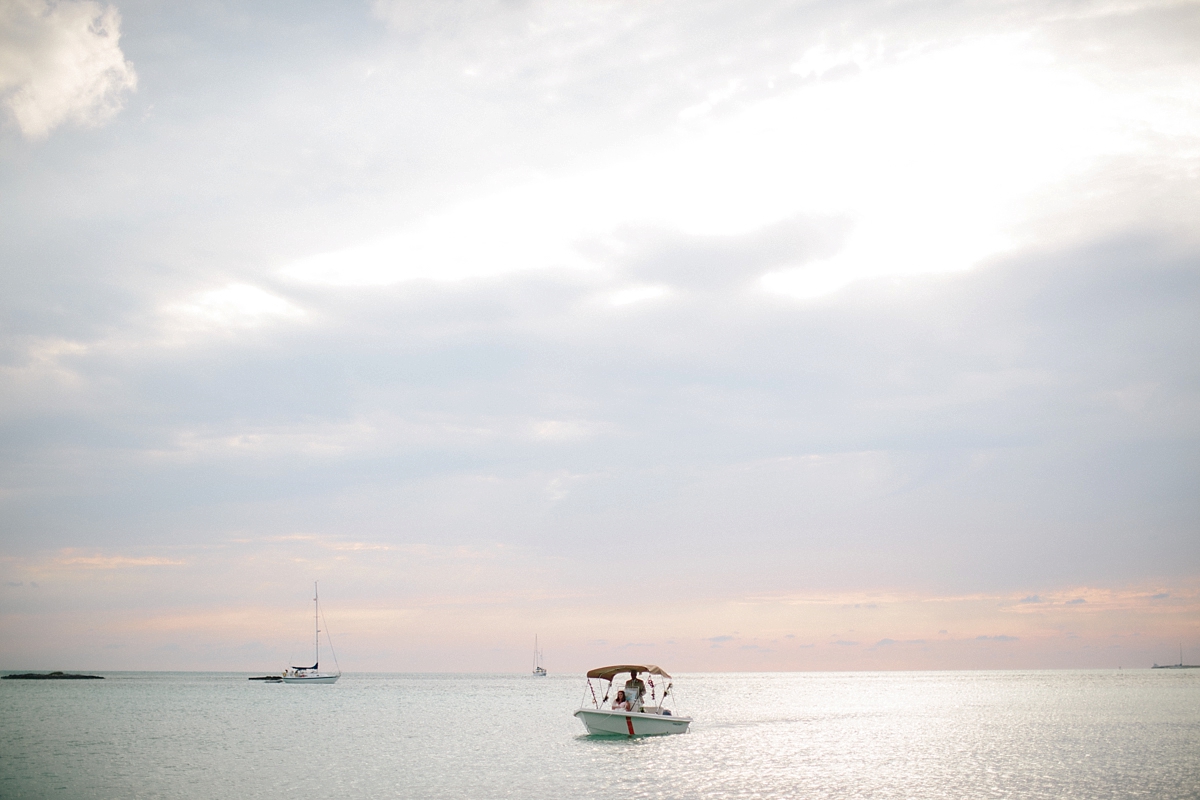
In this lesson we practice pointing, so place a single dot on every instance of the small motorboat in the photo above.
(643, 711)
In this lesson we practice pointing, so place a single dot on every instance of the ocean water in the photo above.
(1014, 735)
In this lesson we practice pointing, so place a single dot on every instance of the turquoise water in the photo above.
(821, 735)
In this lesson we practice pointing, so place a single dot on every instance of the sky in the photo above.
(723, 336)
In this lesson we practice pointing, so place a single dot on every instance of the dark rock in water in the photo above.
(53, 676)
(272, 678)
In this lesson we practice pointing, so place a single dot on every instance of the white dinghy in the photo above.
(313, 674)
(636, 709)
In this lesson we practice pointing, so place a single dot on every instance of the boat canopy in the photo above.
(314, 666)
(608, 673)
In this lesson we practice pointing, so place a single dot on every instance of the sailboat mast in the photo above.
(316, 628)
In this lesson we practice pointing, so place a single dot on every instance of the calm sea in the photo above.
(821, 735)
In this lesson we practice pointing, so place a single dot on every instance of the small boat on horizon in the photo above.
(538, 670)
(313, 674)
(1180, 665)
(632, 711)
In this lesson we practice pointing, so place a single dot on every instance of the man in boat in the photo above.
(634, 688)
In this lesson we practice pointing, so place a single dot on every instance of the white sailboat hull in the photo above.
(630, 723)
(310, 678)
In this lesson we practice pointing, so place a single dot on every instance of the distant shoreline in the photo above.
(51, 676)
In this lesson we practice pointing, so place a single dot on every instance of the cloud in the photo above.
(1001, 638)
(637, 294)
(1033, 598)
(236, 305)
(518, 411)
(116, 562)
(305, 298)
(906, 184)
(61, 62)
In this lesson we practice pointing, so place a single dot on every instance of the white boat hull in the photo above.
(310, 678)
(630, 723)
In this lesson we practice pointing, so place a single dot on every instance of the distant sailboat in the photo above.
(538, 669)
(1180, 665)
(313, 674)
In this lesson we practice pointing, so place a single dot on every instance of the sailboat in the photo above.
(538, 669)
(313, 674)
(1180, 665)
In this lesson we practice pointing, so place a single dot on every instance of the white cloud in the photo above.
(941, 159)
(528, 227)
(61, 62)
(236, 305)
(70, 558)
(637, 294)
(556, 430)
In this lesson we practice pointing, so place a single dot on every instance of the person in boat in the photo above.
(619, 702)
(634, 689)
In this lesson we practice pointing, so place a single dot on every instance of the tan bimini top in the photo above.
(608, 673)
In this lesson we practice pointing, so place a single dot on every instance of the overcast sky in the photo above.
(723, 335)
